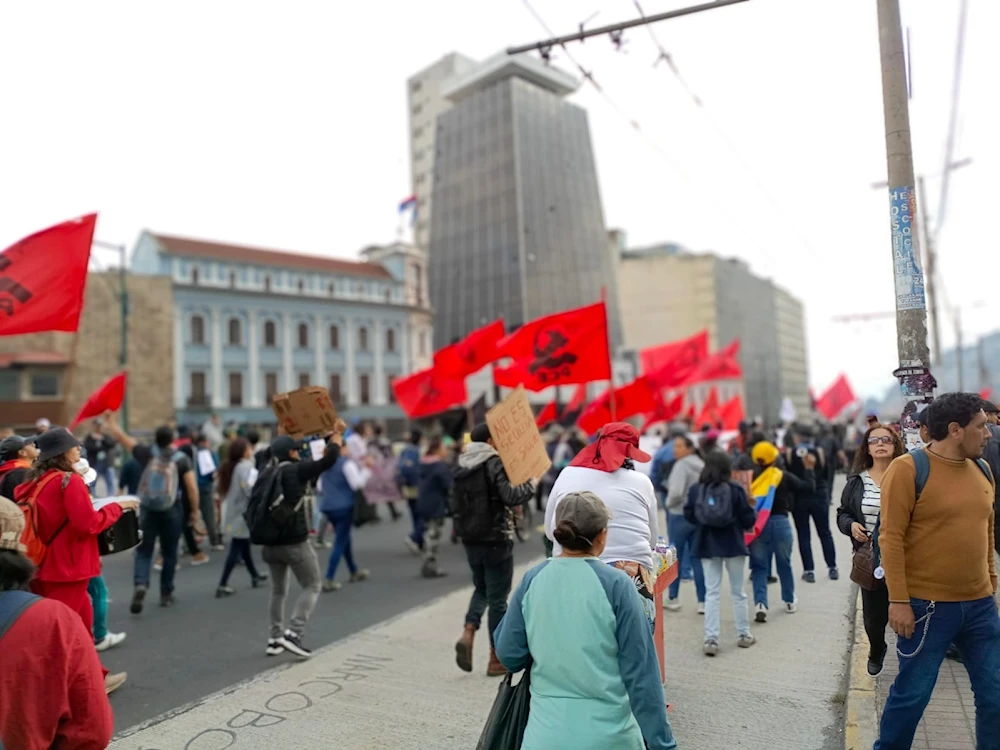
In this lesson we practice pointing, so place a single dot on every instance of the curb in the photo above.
(861, 716)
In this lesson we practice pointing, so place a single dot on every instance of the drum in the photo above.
(123, 535)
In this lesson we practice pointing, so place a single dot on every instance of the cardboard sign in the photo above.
(307, 411)
(516, 438)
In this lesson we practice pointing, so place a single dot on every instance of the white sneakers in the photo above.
(792, 607)
(672, 605)
(109, 641)
(761, 615)
(701, 608)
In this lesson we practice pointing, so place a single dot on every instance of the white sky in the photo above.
(284, 125)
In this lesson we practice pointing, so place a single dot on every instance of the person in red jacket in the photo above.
(51, 687)
(69, 525)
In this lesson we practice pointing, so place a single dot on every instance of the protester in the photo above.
(409, 479)
(341, 483)
(52, 688)
(992, 455)
(814, 506)
(131, 473)
(606, 467)
(292, 551)
(578, 625)
(100, 453)
(937, 551)
(42, 426)
(433, 496)
(190, 500)
(720, 511)
(686, 471)
(67, 526)
(235, 479)
(16, 457)
(382, 488)
(860, 506)
(205, 467)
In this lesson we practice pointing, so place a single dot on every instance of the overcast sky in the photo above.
(285, 125)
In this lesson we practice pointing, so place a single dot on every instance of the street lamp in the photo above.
(123, 299)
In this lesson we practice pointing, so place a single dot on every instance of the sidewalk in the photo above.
(396, 685)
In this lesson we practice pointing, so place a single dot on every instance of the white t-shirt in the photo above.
(630, 498)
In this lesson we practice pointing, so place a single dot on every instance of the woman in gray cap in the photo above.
(595, 680)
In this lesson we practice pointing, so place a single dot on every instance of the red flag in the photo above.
(732, 413)
(836, 399)
(723, 365)
(547, 416)
(43, 276)
(425, 392)
(108, 397)
(664, 412)
(985, 393)
(471, 354)
(635, 398)
(561, 349)
(670, 365)
(709, 410)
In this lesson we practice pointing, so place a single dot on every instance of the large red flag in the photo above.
(561, 349)
(635, 398)
(732, 413)
(471, 354)
(425, 392)
(723, 365)
(547, 416)
(670, 365)
(108, 397)
(42, 278)
(837, 397)
(709, 410)
(664, 411)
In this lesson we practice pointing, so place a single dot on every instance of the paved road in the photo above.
(203, 644)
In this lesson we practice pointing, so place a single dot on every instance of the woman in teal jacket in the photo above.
(595, 680)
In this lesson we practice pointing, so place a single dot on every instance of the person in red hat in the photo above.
(606, 467)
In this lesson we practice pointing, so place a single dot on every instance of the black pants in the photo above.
(817, 509)
(238, 548)
(492, 575)
(876, 614)
(188, 529)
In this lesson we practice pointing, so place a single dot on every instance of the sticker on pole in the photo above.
(905, 251)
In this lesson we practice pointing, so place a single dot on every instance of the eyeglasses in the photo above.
(885, 439)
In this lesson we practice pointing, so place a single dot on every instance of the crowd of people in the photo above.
(926, 518)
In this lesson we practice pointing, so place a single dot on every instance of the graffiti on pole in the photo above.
(905, 253)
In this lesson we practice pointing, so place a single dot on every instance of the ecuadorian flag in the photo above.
(763, 490)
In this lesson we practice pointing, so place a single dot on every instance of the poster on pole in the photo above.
(905, 251)
(516, 438)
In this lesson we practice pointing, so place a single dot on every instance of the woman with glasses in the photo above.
(857, 516)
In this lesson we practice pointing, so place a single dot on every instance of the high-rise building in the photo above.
(517, 229)
(673, 293)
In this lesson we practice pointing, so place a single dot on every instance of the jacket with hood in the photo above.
(434, 487)
(484, 497)
(295, 477)
(684, 476)
(12, 473)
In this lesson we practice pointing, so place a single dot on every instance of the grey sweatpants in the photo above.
(301, 559)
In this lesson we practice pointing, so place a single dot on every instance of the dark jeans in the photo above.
(876, 613)
(681, 533)
(164, 525)
(817, 509)
(187, 528)
(492, 575)
(686, 570)
(975, 628)
(417, 534)
(238, 548)
(343, 522)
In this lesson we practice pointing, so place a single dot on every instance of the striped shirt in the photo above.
(871, 501)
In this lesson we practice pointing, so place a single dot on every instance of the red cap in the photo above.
(615, 442)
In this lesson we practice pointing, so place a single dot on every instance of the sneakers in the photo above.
(672, 605)
(875, 662)
(360, 575)
(114, 681)
(809, 577)
(761, 615)
(158, 565)
(746, 641)
(330, 586)
(413, 547)
(711, 648)
(167, 599)
(138, 597)
(274, 647)
(219, 547)
(834, 574)
(432, 571)
(772, 579)
(224, 591)
(701, 608)
(200, 559)
(792, 607)
(293, 644)
(110, 641)
(259, 579)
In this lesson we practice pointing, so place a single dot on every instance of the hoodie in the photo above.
(484, 497)
(434, 488)
(684, 476)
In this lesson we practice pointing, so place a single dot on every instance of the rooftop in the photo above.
(503, 66)
(278, 258)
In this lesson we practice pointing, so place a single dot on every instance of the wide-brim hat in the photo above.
(55, 442)
(616, 442)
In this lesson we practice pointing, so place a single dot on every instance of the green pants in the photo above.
(548, 545)
(99, 598)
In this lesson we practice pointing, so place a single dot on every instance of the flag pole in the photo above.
(611, 390)
(70, 378)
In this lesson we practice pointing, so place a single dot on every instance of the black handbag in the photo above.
(508, 718)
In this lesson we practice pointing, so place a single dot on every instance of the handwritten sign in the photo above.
(516, 438)
(307, 411)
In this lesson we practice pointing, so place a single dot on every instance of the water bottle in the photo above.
(661, 545)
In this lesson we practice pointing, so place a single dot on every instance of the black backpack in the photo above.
(473, 507)
(714, 505)
(267, 515)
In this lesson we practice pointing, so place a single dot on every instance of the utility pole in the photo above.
(915, 379)
(930, 253)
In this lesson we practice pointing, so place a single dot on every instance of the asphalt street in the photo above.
(202, 644)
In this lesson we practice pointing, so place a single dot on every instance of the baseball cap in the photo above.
(11, 446)
(586, 512)
(989, 407)
(282, 447)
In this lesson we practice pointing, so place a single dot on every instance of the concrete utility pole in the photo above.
(915, 379)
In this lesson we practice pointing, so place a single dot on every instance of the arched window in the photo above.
(334, 337)
(194, 275)
(235, 334)
(363, 339)
(270, 334)
(390, 340)
(303, 336)
(197, 329)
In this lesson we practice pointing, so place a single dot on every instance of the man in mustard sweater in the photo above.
(937, 556)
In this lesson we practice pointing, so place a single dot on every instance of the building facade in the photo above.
(673, 293)
(517, 229)
(249, 323)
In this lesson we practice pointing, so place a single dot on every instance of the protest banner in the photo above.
(516, 438)
(306, 411)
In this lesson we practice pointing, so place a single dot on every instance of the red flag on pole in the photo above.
(723, 365)
(108, 397)
(42, 278)
(709, 411)
(732, 413)
(664, 412)
(561, 349)
(547, 416)
(635, 398)
(836, 398)
(471, 354)
(425, 392)
(670, 365)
